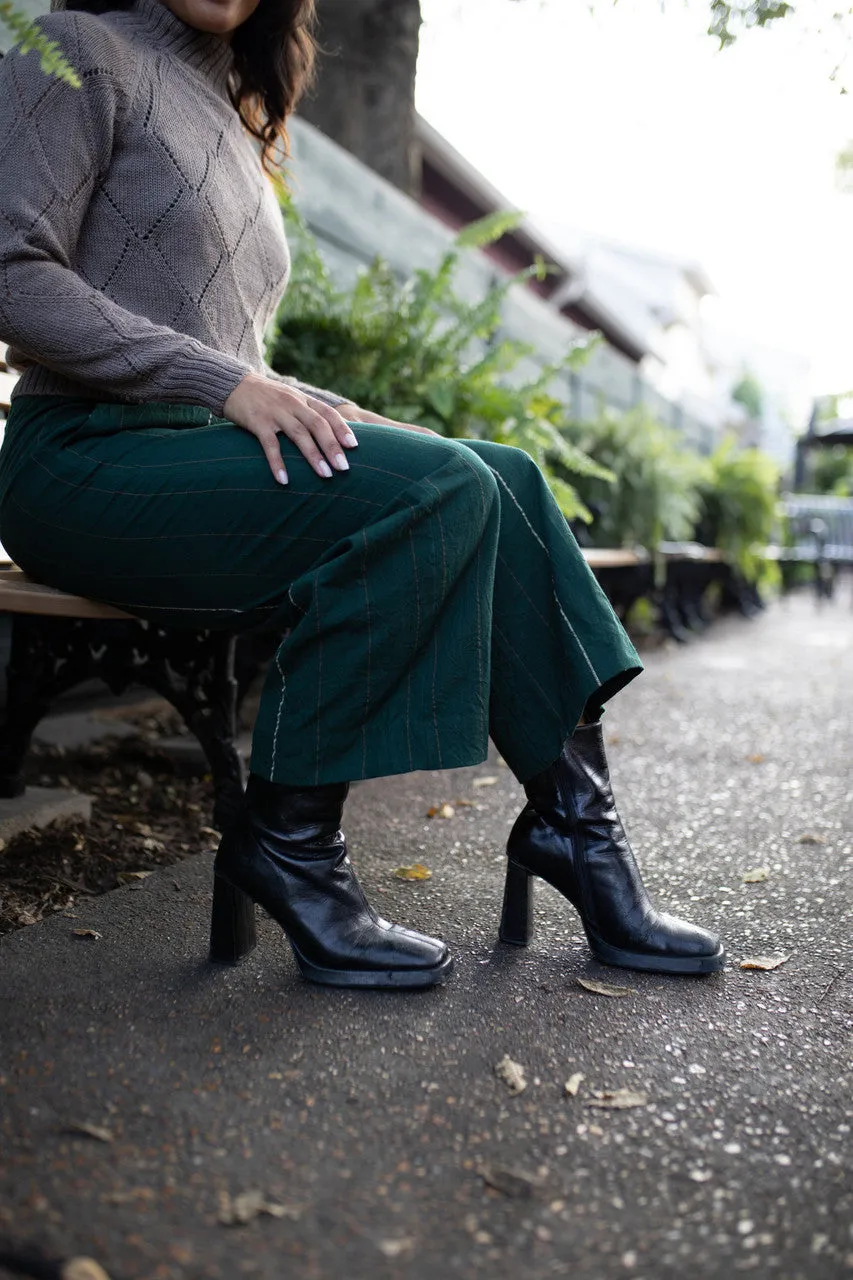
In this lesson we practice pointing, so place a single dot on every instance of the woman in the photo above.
(430, 589)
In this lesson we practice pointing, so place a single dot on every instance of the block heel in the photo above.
(233, 934)
(516, 925)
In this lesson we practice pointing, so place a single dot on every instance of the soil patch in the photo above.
(148, 811)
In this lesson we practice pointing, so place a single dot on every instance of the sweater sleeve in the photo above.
(55, 147)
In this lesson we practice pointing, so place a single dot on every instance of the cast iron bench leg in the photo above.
(193, 671)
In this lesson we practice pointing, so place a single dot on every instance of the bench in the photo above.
(675, 579)
(59, 641)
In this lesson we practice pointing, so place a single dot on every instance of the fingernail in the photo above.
(341, 462)
(282, 477)
(325, 470)
(350, 439)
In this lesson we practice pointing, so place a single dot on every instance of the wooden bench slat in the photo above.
(612, 557)
(19, 594)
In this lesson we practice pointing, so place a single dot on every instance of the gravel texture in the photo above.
(372, 1126)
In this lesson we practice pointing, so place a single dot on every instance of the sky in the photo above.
(630, 124)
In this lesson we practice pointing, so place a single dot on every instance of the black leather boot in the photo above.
(287, 853)
(571, 835)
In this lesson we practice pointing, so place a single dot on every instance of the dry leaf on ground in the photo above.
(618, 1099)
(83, 1269)
(441, 811)
(394, 1248)
(417, 871)
(512, 1074)
(96, 1131)
(574, 1083)
(485, 782)
(605, 988)
(239, 1210)
(128, 877)
(763, 962)
(811, 837)
(86, 933)
(511, 1182)
(756, 875)
(758, 758)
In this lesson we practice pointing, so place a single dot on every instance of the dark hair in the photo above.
(274, 53)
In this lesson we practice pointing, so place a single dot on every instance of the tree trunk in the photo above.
(365, 93)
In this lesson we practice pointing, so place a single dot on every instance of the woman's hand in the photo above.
(353, 413)
(267, 409)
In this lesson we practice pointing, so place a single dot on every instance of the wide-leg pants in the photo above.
(430, 596)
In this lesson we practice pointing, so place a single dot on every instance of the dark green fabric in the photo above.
(431, 594)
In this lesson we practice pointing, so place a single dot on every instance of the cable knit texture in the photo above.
(141, 246)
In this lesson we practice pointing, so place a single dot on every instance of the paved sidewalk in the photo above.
(367, 1120)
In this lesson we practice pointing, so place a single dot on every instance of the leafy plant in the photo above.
(740, 498)
(832, 471)
(30, 37)
(656, 494)
(416, 351)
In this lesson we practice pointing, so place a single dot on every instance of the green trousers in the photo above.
(430, 596)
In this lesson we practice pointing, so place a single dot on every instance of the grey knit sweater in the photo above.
(142, 254)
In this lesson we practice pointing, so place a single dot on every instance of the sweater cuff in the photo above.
(208, 378)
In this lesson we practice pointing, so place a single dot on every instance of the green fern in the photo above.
(416, 351)
(29, 37)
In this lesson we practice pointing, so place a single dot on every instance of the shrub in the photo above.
(416, 351)
(740, 501)
(656, 494)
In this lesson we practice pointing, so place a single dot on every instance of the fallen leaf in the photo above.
(811, 837)
(129, 1197)
(605, 988)
(485, 782)
(152, 845)
(464, 804)
(393, 1248)
(574, 1083)
(441, 811)
(85, 933)
(763, 962)
(128, 877)
(141, 828)
(758, 758)
(210, 831)
(241, 1209)
(83, 1269)
(511, 1182)
(417, 871)
(95, 1131)
(618, 1099)
(512, 1074)
(756, 875)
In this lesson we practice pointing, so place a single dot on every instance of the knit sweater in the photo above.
(142, 254)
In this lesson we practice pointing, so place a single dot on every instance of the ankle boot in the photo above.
(571, 835)
(287, 853)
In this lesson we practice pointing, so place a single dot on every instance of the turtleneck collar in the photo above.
(207, 54)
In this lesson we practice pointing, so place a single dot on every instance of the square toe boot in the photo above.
(287, 853)
(570, 834)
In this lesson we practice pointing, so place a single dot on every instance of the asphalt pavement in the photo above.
(149, 1102)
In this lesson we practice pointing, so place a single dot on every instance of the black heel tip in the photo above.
(512, 940)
